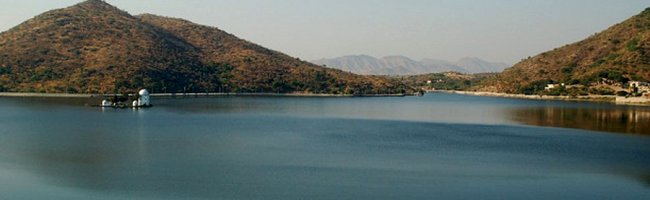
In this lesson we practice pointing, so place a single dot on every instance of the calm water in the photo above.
(440, 146)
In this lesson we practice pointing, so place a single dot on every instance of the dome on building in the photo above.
(106, 103)
(144, 92)
(144, 100)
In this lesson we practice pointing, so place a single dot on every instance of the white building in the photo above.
(145, 99)
(551, 86)
(642, 87)
(638, 84)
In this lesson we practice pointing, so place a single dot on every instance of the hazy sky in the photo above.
(496, 30)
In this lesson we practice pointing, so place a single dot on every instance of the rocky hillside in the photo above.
(400, 65)
(616, 55)
(93, 47)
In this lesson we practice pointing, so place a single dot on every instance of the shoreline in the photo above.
(63, 95)
(636, 101)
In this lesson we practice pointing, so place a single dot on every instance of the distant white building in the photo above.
(144, 99)
(642, 87)
(551, 86)
(638, 84)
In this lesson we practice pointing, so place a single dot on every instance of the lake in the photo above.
(440, 146)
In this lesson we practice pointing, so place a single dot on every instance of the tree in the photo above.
(535, 87)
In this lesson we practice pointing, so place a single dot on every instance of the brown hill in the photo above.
(618, 54)
(93, 47)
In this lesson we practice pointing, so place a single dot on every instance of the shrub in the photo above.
(567, 70)
(581, 91)
(5, 70)
(535, 87)
(612, 56)
(613, 75)
(573, 81)
(602, 91)
(633, 44)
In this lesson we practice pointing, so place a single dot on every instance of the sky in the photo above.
(496, 30)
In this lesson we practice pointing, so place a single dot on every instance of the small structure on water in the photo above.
(143, 100)
(106, 103)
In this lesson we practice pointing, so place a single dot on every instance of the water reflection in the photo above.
(430, 108)
(370, 159)
(310, 148)
(646, 179)
(628, 120)
(33, 102)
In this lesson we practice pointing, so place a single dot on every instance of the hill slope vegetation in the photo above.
(612, 57)
(93, 47)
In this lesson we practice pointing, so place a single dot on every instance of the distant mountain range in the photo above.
(401, 65)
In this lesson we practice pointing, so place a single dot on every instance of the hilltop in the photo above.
(605, 61)
(94, 47)
(401, 65)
